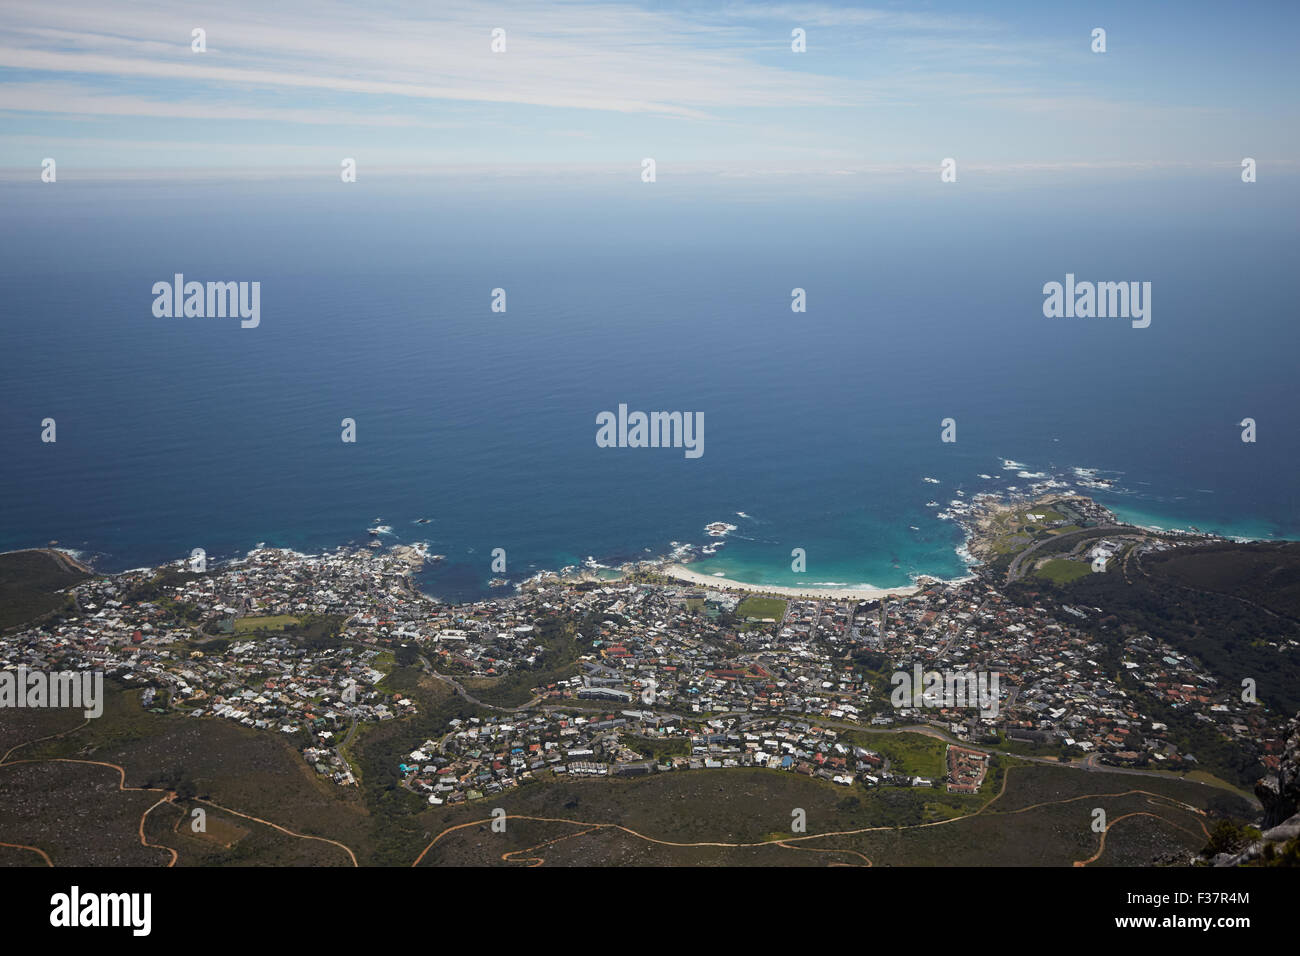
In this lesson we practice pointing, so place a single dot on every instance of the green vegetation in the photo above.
(378, 749)
(1034, 822)
(1236, 628)
(762, 607)
(913, 754)
(556, 661)
(1266, 574)
(1063, 571)
(402, 680)
(1229, 836)
(1230, 606)
(31, 583)
(1288, 854)
(316, 631)
(1027, 748)
(1205, 777)
(658, 748)
(262, 624)
(1013, 530)
(163, 580)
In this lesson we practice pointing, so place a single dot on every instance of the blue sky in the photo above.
(596, 84)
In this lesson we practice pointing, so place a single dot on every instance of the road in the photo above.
(1014, 573)
(459, 688)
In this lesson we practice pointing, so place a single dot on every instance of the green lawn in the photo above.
(762, 607)
(269, 622)
(1063, 571)
(908, 753)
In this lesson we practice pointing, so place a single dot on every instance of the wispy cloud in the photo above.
(580, 56)
(605, 81)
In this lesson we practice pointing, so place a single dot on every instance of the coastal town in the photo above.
(644, 673)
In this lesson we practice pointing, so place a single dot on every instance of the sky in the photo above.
(582, 85)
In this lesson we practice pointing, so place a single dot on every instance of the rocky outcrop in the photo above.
(1279, 792)
(1275, 837)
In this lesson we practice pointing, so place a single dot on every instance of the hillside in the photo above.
(31, 582)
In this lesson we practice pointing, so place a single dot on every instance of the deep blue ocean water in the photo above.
(922, 304)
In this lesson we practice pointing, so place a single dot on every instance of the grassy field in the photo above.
(1207, 778)
(269, 622)
(914, 754)
(762, 607)
(1063, 571)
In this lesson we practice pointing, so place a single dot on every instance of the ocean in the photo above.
(923, 303)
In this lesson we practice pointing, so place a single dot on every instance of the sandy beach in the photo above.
(683, 573)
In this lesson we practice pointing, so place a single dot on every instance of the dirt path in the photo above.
(35, 849)
(275, 826)
(788, 842)
(169, 796)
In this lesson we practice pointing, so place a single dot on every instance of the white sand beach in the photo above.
(683, 573)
